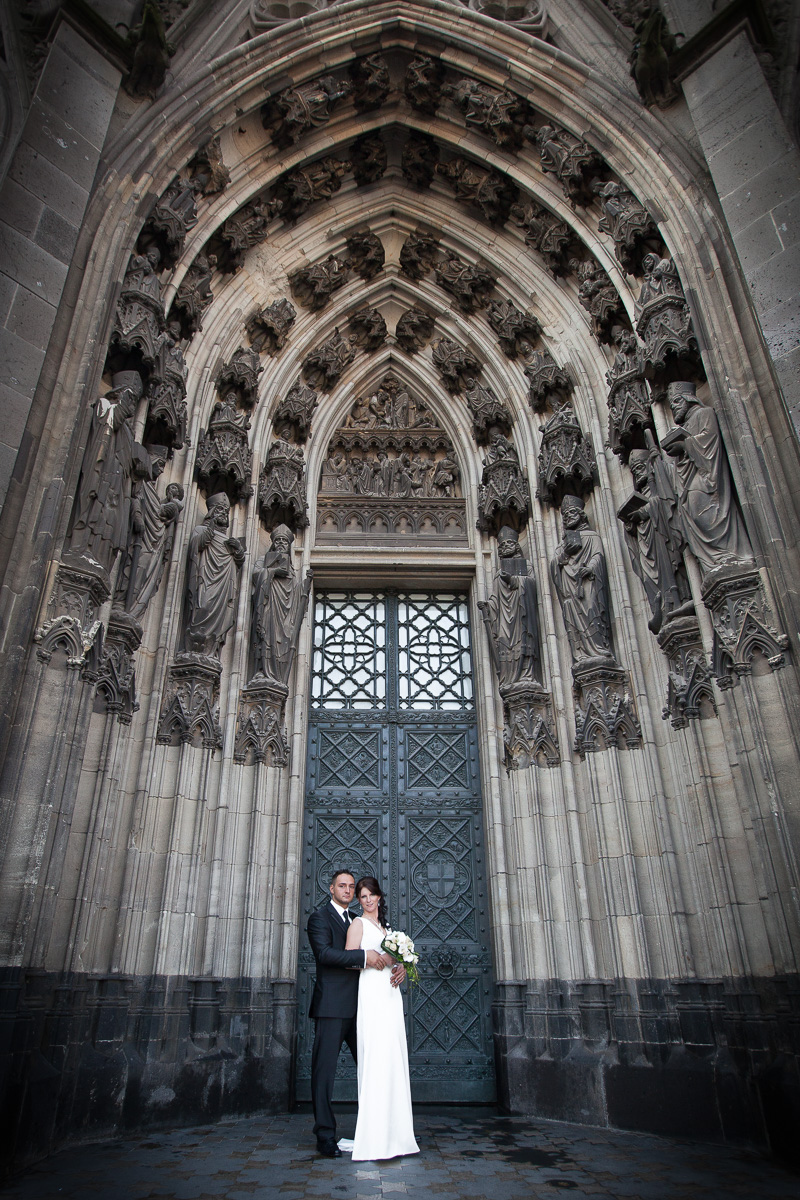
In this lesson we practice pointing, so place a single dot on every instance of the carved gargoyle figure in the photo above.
(650, 59)
(628, 398)
(580, 578)
(369, 158)
(663, 322)
(268, 329)
(517, 331)
(102, 506)
(419, 255)
(423, 83)
(313, 286)
(151, 53)
(365, 255)
(572, 161)
(469, 284)
(489, 414)
(566, 458)
(296, 409)
(511, 616)
(414, 329)
(241, 231)
(503, 493)
(628, 222)
(150, 539)
(240, 375)
(299, 189)
(194, 295)
(599, 297)
(139, 317)
(212, 581)
(324, 367)
(279, 605)
(369, 328)
(549, 383)
(174, 214)
(297, 109)
(419, 159)
(499, 114)
(209, 170)
(654, 537)
(453, 363)
(371, 82)
(488, 191)
(166, 390)
(707, 508)
(282, 485)
(549, 236)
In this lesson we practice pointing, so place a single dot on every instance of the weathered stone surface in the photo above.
(139, 318)
(605, 710)
(214, 561)
(690, 690)
(744, 624)
(208, 169)
(279, 605)
(224, 459)
(175, 213)
(240, 232)
(629, 413)
(629, 223)
(190, 705)
(166, 392)
(240, 375)
(580, 577)
(150, 538)
(664, 324)
(489, 414)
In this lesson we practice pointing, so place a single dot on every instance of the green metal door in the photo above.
(393, 790)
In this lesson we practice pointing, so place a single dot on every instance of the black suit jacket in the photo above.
(336, 986)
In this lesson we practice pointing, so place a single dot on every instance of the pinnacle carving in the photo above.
(282, 486)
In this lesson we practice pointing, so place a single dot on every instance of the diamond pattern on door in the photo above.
(436, 759)
(349, 758)
(346, 844)
(446, 1017)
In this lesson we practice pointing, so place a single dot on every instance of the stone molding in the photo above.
(605, 710)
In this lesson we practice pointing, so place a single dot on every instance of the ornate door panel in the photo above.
(393, 790)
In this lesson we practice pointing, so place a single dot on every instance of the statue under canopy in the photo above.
(511, 616)
(279, 605)
(212, 580)
(152, 531)
(580, 577)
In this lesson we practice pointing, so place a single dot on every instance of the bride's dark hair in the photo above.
(371, 884)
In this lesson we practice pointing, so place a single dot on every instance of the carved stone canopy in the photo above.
(282, 486)
(490, 192)
(174, 214)
(419, 159)
(166, 393)
(323, 367)
(599, 297)
(629, 224)
(503, 495)
(268, 328)
(298, 190)
(664, 324)
(552, 238)
(566, 459)
(572, 161)
(240, 232)
(454, 363)
(365, 255)
(517, 331)
(629, 412)
(139, 317)
(313, 286)
(240, 375)
(469, 284)
(549, 383)
(371, 82)
(224, 460)
(419, 255)
(489, 414)
(414, 329)
(293, 414)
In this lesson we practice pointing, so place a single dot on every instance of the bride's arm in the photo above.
(354, 934)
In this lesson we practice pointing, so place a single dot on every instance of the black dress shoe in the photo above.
(329, 1149)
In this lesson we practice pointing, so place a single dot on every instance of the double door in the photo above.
(393, 790)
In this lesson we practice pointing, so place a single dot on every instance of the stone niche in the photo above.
(391, 474)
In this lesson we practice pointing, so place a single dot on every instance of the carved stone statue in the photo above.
(369, 328)
(371, 82)
(580, 578)
(279, 605)
(453, 363)
(209, 170)
(299, 189)
(152, 532)
(517, 331)
(241, 231)
(297, 408)
(707, 508)
(313, 286)
(488, 191)
(414, 329)
(298, 109)
(102, 512)
(194, 295)
(628, 222)
(500, 115)
(469, 284)
(650, 58)
(423, 83)
(365, 255)
(418, 255)
(599, 297)
(572, 161)
(511, 616)
(655, 540)
(212, 580)
(489, 414)
(323, 368)
(549, 236)
(419, 159)
(370, 159)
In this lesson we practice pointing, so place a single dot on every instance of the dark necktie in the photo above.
(347, 919)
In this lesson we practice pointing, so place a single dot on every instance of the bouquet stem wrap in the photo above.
(400, 947)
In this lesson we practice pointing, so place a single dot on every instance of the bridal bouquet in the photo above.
(400, 947)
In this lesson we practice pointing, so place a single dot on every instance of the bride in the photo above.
(385, 1125)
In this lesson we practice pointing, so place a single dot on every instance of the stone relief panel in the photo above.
(391, 472)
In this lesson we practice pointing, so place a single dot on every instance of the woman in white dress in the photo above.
(385, 1126)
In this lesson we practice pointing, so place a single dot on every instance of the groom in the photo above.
(335, 1000)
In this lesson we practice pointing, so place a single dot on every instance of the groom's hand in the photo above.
(374, 959)
(398, 974)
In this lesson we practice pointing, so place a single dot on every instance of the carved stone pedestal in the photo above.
(190, 708)
(116, 681)
(689, 690)
(529, 736)
(605, 711)
(260, 732)
(71, 624)
(743, 622)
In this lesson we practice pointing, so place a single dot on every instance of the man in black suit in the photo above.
(334, 1002)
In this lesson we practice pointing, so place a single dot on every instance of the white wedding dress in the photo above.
(385, 1126)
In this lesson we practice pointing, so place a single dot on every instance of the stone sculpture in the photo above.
(599, 297)
(453, 363)
(419, 158)
(282, 485)
(490, 192)
(489, 414)
(268, 329)
(224, 458)
(571, 160)
(102, 507)
(371, 82)
(650, 58)
(707, 509)
(548, 382)
(174, 214)
(580, 578)
(209, 170)
(369, 328)
(313, 286)
(139, 316)
(664, 324)
(369, 158)
(566, 458)
(517, 331)
(503, 493)
(241, 231)
(414, 329)
(628, 222)
(549, 236)
(152, 532)
(212, 581)
(151, 53)
(499, 114)
(279, 605)
(298, 190)
(166, 390)
(298, 109)
(418, 255)
(365, 255)
(654, 538)
(468, 283)
(240, 375)
(194, 295)
(423, 83)
(511, 616)
(296, 410)
(628, 398)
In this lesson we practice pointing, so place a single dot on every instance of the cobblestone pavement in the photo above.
(463, 1154)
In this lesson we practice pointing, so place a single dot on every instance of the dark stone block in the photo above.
(569, 1090)
(678, 1099)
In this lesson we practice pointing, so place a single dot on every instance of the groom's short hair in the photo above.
(343, 871)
